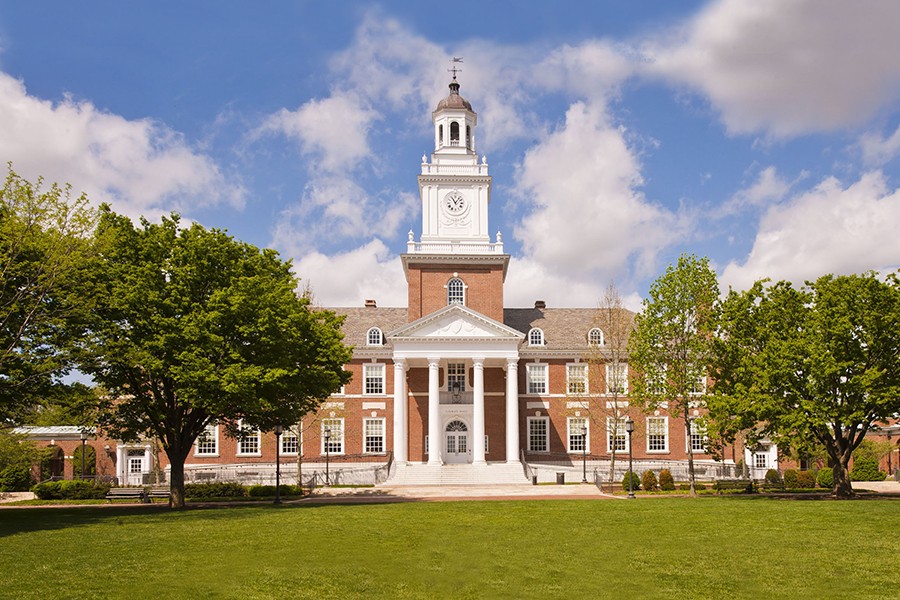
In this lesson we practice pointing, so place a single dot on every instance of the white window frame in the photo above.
(213, 432)
(615, 432)
(698, 387)
(532, 381)
(657, 385)
(374, 337)
(536, 337)
(454, 295)
(595, 337)
(665, 427)
(373, 367)
(247, 438)
(532, 436)
(457, 371)
(334, 424)
(289, 432)
(573, 434)
(765, 460)
(366, 436)
(624, 375)
(572, 382)
(697, 432)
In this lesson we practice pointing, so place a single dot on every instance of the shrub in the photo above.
(264, 491)
(825, 478)
(790, 478)
(16, 478)
(666, 483)
(635, 481)
(217, 489)
(70, 490)
(806, 479)
(648, 481)
(772, 477)
(865, 468)
(687, 487)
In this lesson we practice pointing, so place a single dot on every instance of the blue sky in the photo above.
(763, 134)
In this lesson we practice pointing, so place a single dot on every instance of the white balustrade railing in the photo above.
(433, 169)
(453, 248)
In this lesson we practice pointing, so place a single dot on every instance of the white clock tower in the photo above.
(455, 251)
(455, 189)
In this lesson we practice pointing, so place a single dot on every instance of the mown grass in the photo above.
(723, 547)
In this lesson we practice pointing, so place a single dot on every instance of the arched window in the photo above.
(468, 137)
(536, 337)
(440, 135)
(456, 291)
(595, 337)
(374, 337)
(456, 425)
(454, 133)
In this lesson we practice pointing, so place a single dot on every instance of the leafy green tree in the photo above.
(45, 252)
(17, 455)
(193, 327)
(811, 366)
(671, 345)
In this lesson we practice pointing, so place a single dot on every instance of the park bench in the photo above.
(744, 485)
(163, 493)
(125, 493)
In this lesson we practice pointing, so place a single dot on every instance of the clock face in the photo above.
(454, 203)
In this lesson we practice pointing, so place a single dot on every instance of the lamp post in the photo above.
(584, 454)
(327, 453)
(83, 442)
(278, 431)
(629, 427)
(456, 391)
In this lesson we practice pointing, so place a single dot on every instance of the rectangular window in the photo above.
(456, 374)
(248, 443)
(208, 442)
(290, 442)
(537, 378)
(616, 436)
(577, 379)
(579, 441)
(538, 434)
(333, 442)
(656, 382)
(373, 433)
(617, 379)
(759, 460)
(698, 437)
(698, 387)
(373, 375)
(657, 434)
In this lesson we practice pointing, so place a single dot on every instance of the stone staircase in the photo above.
(465, 474)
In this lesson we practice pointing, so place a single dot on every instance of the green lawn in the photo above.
(655, 547)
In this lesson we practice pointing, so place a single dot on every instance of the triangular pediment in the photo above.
(455, 321)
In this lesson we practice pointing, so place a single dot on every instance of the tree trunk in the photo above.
(176, 483)
(690, 451)
(842, 487)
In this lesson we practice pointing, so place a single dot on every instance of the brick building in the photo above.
(457, 386)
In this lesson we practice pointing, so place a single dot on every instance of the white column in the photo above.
(435, 442)
(400, 419)
(512, 410)
(120, 464)
(478, 417)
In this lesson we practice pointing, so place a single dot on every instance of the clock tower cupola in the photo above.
(455, 191)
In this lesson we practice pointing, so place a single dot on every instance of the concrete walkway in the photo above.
(449, 493)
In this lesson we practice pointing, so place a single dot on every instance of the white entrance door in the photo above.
(134, 467)
(456, 443)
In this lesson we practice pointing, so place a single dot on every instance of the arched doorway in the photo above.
(89, 462)
(53, 463)
(457, 448)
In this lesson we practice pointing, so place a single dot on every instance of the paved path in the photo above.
(449, 493)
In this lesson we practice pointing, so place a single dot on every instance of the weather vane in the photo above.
(454, 70)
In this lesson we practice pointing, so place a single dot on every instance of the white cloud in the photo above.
(769, 187)
(349, 278)
(334, 128)
(878, 150)
(788, 67)
(829, 229)
(139, 167)
(588, 216)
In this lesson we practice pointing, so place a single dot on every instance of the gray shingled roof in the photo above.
(564, 328)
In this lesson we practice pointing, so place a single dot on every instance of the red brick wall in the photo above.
(427, 291)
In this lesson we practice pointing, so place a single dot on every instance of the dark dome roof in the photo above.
(454, 100)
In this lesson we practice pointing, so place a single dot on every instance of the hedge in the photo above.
(635, 481)
(648, 481)
(72, 489)
(219, 489)
(666, 482)
(16, 478)
(265, 491)
(806, 479)
(866, 469)
(825, 478)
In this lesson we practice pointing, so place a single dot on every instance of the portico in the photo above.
(457, 345)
